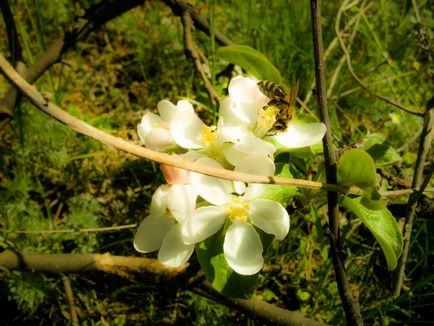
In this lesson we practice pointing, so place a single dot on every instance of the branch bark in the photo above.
(350, 304)
(74, 263)
(200, 22)
(94, 18)
(417, 183)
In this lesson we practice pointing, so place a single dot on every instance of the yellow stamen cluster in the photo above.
(238, 211)
(266, 120)
(208, 136)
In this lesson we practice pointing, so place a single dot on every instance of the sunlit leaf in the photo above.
(383, 226)
(381, 151)
(249, 59)
(357, 168)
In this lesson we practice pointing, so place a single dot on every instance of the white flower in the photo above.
(242, 245)
(161, 229)
(247, 153)
(154, 130)
(244, 108)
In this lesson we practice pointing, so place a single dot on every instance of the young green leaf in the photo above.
(381, 151)
(357, 168)
(383, 226)
(250, 60)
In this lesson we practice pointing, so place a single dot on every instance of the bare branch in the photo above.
(70, 298)
(350, 304)
(74, 263)
(258, 309)
(80, 126)
(179, 7)
(191, 51)
(95, 17)
(424, 147)
(11, 30)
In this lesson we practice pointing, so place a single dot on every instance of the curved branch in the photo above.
(80, 126)
(95, 17)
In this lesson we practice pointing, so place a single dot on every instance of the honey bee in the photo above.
(282, 101)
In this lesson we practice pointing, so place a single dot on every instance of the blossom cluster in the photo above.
(193, 207)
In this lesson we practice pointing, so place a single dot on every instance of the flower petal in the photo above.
(151, 232)
(243, 249)
(214, 190)
(174, 252)
(181, 201)
(148, 122)
(167, 110)
(159, 139)
(186, 128)
(249, 162)
(254, 190)
(270, 216)
(242, 89)
(159, 200)
(301, 135)
(204, 222)
(233, 113)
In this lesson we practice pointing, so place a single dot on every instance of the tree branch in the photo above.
(70, 298)
(73, 263)
(350, 304)
(191, 51)
(94, 18)
(424, 146)
(258, 309)
(179, 7)
(80, 126)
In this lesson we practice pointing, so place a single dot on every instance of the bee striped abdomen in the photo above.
(282, 101)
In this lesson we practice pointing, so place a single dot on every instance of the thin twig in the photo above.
(70, 298)
(191, 51)
(350, 304)
(179, 7)
(417, 183)
(332, 45)
(354, 75)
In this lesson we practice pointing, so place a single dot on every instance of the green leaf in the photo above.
(219, 274)
(281, 193)
(250, 60)
(383, 226)
(357, 168)
(381, 151)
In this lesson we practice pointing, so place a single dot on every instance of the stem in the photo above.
(417, 183)
(350, 304)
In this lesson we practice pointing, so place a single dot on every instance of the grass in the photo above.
(54, 178)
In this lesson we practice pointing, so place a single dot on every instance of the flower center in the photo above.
(238, 211)
(208, 136)
(266, 120)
